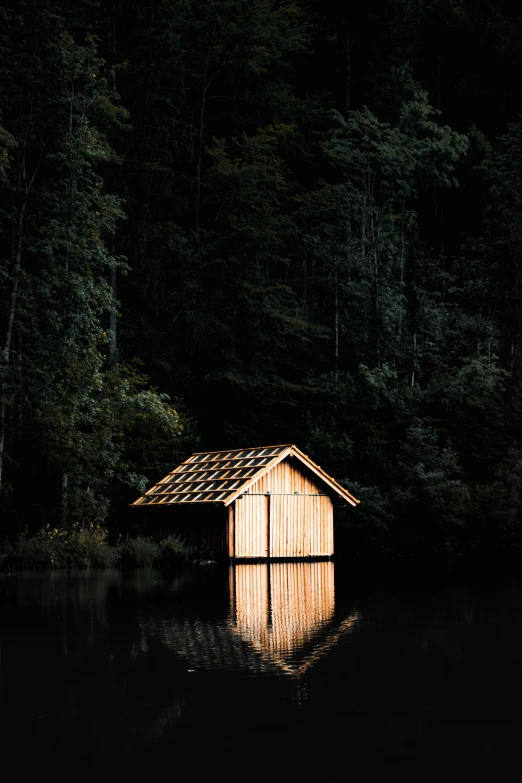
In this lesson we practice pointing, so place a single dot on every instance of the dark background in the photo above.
(299, 221)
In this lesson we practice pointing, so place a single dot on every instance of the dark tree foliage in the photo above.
(238, 222)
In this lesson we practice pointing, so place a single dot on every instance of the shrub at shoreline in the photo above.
(88, 547)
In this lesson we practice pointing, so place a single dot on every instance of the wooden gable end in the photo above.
(288, 477)
(308, 467)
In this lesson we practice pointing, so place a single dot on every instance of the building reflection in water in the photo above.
(286, 611)
(281, 620)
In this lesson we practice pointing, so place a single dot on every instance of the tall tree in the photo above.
(59, 400)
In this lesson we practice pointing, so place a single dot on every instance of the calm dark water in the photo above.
(307, 670)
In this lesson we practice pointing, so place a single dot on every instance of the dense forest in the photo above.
(230, 223)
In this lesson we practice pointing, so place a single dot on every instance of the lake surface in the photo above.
(308, 670)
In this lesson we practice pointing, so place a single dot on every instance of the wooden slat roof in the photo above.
(220, 476)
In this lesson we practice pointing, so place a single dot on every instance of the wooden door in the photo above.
(250, 525)
(300, 526)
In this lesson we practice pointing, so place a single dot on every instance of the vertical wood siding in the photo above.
(282, 516)
(301, 526)
(286, 477)
(230, 530)
(251, 526)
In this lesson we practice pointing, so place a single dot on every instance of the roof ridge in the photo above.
(245, 448)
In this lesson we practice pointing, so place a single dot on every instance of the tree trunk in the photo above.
(6, 353)
(377, 301)
(65, 491)
(112, 319)
(347, 86)
(363, 230)
(414, 360)
(113, 281)
(336, 322)
(401, 282)
(113, 345)
(207, 81)
(2, 437)
(200, 134)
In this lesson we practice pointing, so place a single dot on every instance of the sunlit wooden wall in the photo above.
(283, 515)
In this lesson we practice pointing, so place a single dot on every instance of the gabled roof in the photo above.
(220, 476)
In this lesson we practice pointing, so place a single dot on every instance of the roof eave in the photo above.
(332, 483)
(137, 504)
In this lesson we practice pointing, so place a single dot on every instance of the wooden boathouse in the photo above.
(274, 501)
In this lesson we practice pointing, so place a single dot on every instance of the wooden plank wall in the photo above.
(283, 515)
(251, 526)
(287, 477)
(301, 526)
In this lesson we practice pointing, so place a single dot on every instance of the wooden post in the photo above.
(231, 532)
(268, 544)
